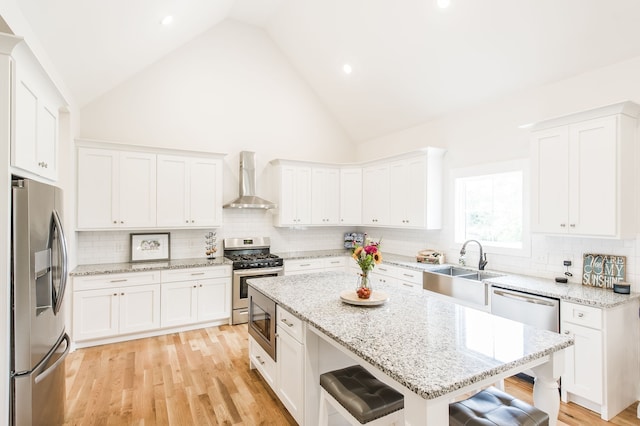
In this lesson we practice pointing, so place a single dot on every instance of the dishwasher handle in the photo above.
(523, 298)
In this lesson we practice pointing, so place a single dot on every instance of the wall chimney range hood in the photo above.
(247, 180)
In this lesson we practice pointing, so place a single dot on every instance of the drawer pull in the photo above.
(407, 285)
(287, 323)
(567, 332)
(305, 264)
(193, 274)
(580, 315)
(118, 281)
(408, 275)
(335, 261)
(259, 359)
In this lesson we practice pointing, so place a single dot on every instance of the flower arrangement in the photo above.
(367, 256)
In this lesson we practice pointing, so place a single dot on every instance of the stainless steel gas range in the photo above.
(251, 258)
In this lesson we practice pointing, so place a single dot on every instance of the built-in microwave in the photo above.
(262, 321)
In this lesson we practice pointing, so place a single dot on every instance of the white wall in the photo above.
(226, 91)
(490, 133)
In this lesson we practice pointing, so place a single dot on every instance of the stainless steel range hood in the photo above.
(248, 198)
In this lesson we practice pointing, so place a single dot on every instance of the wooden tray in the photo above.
(377, 298)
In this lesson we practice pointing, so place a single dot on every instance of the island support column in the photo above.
(545, 389)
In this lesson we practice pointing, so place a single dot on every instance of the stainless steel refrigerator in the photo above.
(39, 342)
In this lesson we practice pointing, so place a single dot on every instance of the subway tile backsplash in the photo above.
(547, 252)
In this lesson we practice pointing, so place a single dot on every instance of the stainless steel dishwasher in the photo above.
(538, 311)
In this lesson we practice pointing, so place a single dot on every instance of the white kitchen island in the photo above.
(431, 350)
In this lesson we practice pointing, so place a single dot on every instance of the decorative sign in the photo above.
(603, 270)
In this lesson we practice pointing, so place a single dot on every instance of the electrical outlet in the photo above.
(541, 258)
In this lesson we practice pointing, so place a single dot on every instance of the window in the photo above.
(491, 206)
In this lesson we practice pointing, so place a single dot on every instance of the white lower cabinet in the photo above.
(115, 305)
(285, 375)
(398, 276)
(314, 265)
(290, 364)
(195, 295)
(602, 368)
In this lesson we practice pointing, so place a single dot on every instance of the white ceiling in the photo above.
(411, 61)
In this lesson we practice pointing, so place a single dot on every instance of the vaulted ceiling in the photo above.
(411, 60)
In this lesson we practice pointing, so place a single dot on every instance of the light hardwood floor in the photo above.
(201, 377)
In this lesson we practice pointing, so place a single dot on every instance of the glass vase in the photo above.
(363, 288)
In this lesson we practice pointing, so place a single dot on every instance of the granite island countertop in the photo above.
(429, 345)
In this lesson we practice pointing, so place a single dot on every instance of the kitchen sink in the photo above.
(452, 271)
(462, 284)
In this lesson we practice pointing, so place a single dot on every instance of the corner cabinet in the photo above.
(405, 192)
(583, 173)
(34, 146)
(602, 368)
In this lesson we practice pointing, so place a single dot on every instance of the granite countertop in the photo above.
(429, 345)
(571, 292)
(313, 254)
(118, 268)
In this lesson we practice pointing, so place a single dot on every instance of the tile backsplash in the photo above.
(547, 252)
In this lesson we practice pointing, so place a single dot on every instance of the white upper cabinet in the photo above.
(350, 196)
(294, 194)
(34, 145)
(189, 191)
(119, 187)
(583, 173)
(116, 189)
(375, 195)
(325, 196)
(401, 192)
(405, 192)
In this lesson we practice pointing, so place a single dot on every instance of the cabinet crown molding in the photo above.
(628, 108)
(8, 42)
(120, 146)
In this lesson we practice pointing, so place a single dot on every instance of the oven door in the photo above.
(262, 321)
(240, 303)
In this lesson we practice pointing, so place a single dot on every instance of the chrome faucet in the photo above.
(483, 256)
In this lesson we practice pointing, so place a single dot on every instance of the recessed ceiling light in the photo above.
(347, 68)
(443, 4)
(167, 20)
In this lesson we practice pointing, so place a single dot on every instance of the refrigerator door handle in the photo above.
(62, 243)
(42, 375)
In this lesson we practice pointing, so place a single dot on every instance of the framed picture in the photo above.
(150, 247)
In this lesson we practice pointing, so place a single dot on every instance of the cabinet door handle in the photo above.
(121, 294)
(563, 225)
(115, 221)
(115, 294)
(573, 225)
(259, 359)
(119, 281)
(195, 286)
(287, 323)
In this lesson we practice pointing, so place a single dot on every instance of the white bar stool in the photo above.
(360, 398)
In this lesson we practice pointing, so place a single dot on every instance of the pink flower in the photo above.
(371, 249)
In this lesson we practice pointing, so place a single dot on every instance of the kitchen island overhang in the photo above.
(429, 349)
